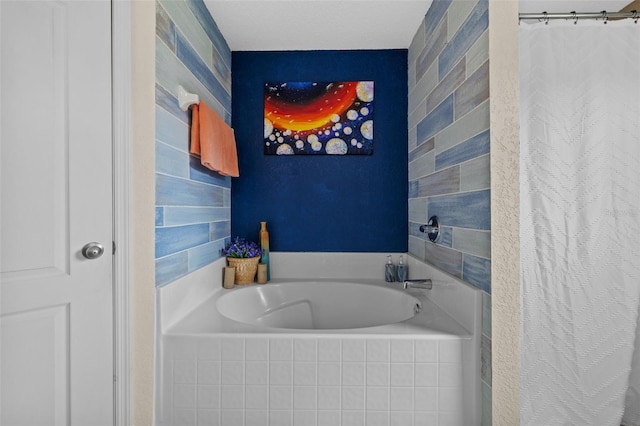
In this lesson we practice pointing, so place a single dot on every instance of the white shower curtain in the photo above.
(580, 223)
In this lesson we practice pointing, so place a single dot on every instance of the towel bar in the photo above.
(186, 99)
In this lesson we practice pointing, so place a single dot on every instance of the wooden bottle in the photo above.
(264, 245)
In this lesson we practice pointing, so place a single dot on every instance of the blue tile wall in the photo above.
(446, 236)
(469, 210)
(458, 45)
(170, 268)
(193, 204)
(435, 16)
(468, 150)
(449, 144)
(438, 119)
(324, 203)
(477, 271)
(209, 25)
(172, 239)
(190, 58)
(173, 191)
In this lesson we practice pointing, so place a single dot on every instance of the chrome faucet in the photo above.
(425, 284)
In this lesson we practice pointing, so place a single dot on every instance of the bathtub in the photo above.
(311, 352)
(315, 305)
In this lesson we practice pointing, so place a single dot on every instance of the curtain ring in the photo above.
(575, 17)
(635, 16)
(605, 18)
(546, 18)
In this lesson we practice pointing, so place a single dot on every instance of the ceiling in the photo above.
(318, 24)
(256, 25)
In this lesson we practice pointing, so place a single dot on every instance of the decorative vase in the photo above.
(246, 268)
(264, 245)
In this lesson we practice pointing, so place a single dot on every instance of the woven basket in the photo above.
(246, 268)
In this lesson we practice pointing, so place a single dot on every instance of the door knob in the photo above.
(92, 250)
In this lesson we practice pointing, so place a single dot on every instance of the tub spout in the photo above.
(425, 284)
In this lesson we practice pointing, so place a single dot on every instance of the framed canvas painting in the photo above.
(318, 118)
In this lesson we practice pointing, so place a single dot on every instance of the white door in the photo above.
(55, 138)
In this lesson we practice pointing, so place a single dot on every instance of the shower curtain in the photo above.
(580, 223)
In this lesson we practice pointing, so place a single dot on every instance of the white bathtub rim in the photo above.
(433, 321)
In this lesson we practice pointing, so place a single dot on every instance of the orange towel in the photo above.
(213, 141)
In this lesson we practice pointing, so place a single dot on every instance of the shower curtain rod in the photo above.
(604, 15)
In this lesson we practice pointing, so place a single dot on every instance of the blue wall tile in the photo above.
(203, 255)
(469, 32)
(172, 191)
(210, 27)
(444, 182)
(414, 230)
(173, 239)
(477, 271)
(444, 258)
(200, 173)
(436, 120)
(186, 215)
(422, 149)
(464, 210)
(434, 16)
(219, 230)
(193, 204)
(165, 29)
(159, 216)
(446, 236)
(413, 189)
(170, 268)
(472, 148)
(171, 161)
(323, 203)
(473, 91)
(447, 85)
(432, 49)
(191, 59)
(169, 103)
(170, 130)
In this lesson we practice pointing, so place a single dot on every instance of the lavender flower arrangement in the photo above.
(240, 247)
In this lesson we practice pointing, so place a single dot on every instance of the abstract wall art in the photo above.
(318, 118)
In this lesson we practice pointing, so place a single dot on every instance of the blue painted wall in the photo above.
(323, 203)
(193, 204)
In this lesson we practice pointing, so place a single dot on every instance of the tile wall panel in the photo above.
(458, 44)
(473, 91)
(473, 174)
(435, 44)
(199, 68)
(204, 254)
(436, 120)
(248, 380)
(446, 86)
(174, 191)
(449, 149)
(468, 150)
(172, 239)
(193, 204)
